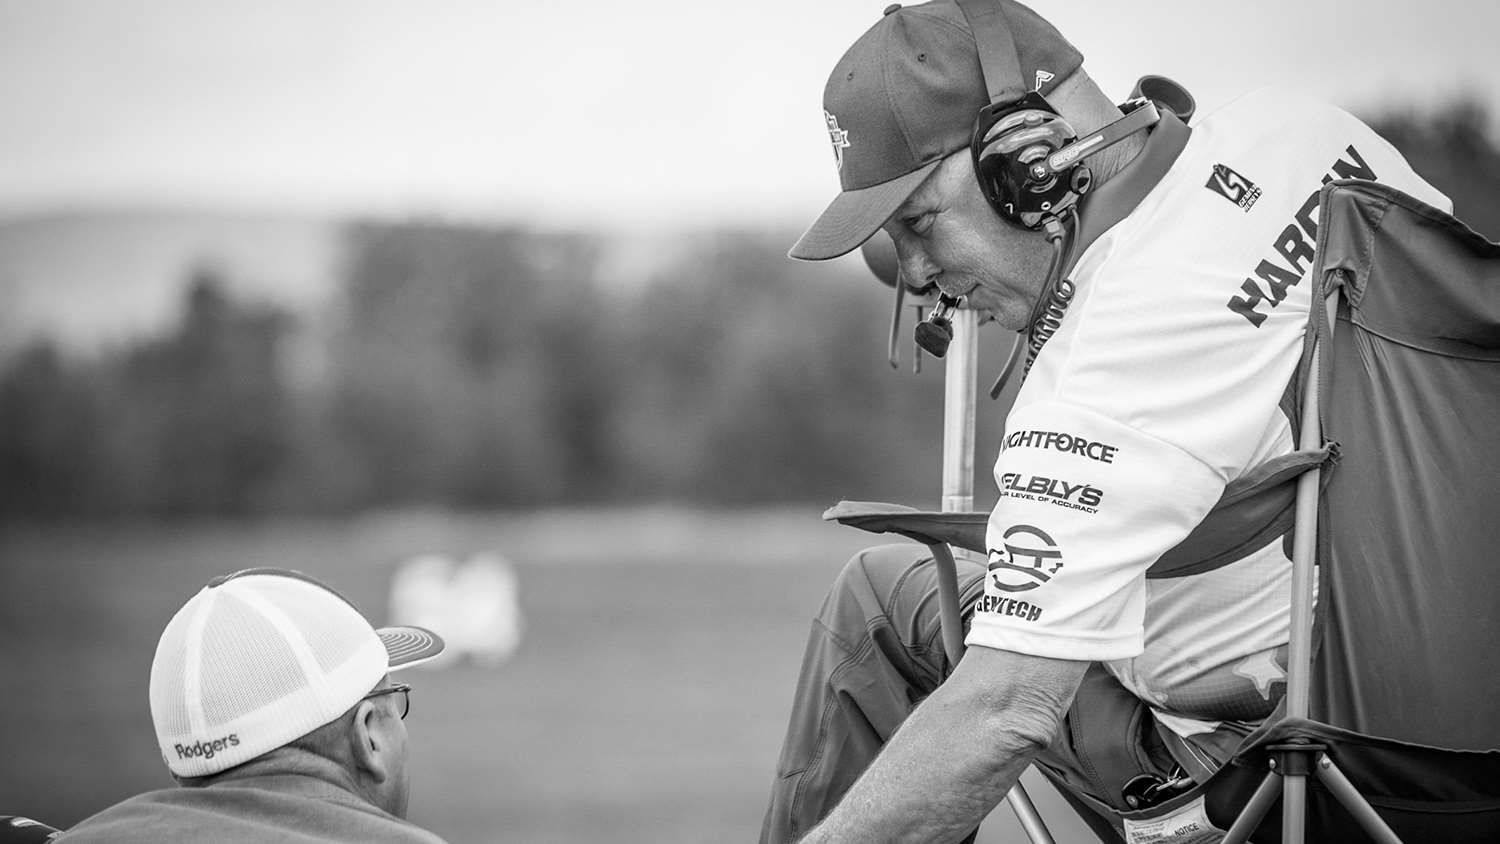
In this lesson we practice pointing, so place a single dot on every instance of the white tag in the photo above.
(1185, 726)
(1188, 825)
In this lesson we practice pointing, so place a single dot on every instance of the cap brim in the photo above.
(408, 646)
(855, 215)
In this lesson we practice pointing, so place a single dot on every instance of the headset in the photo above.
(1031, 168)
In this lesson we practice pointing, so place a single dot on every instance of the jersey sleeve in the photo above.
(1086, 505)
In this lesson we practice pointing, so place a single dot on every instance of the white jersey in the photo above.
(1160, 385)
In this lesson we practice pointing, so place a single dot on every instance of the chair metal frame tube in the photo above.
(1304, 556)
(1353, 801)
(1293, 808)
(949, 616)
(1253, 811)
(1293, 786)
(1305, 536)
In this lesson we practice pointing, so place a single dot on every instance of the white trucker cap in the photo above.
(261, 657)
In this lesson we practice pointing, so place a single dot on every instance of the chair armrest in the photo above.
(961, 530)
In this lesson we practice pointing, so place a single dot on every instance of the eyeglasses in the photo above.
(405, 691)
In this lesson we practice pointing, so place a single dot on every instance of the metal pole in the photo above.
(959, 404)
(1354, 802)
(1026, 813)
(1293, 808)
(959, 390)
(1305, 539)
(1304, 555)
(1254, 810)
(1304, 547)
(959, 407)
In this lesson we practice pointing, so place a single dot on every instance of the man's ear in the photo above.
(369, 745)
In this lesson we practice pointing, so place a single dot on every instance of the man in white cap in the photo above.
(275, 712)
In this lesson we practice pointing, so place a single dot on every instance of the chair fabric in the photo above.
(1411, 544)
(1406, 666)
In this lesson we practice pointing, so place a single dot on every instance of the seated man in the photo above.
(1164, 292)
(276, 714)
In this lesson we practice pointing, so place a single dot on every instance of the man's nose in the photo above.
(916, 271)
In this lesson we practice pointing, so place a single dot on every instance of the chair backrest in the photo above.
(1409, 544)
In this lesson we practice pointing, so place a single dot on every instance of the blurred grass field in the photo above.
(646, 703)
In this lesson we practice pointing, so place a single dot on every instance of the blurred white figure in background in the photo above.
(475, 606)
(489, 608)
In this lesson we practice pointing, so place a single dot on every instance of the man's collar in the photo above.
(1113, 201)
(292, 770)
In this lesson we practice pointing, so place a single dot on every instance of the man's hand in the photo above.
(959, 752)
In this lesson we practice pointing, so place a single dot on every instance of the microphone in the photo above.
(934, 333)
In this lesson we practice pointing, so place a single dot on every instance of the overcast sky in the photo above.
(590, 112)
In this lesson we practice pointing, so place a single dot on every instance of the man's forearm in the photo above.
(933, 782)
(959, 752)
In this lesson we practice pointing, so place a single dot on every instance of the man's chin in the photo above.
(988, 308)
(999, 317)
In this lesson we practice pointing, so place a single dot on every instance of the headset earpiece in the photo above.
(1028, 160)
(1011, 146)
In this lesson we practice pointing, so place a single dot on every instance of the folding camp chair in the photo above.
(1390, 726)
(1393, 720)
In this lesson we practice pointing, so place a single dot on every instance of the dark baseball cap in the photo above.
(903, 98)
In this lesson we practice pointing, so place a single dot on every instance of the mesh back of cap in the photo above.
(252, 663)
(331, 644)
(245, 664)
(168, 710)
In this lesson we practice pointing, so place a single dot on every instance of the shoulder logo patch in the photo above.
(1042, 78)
(1233, 187)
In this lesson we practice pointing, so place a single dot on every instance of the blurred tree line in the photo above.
(472, 367)
(1452, 147)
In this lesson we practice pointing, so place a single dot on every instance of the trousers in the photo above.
(875, 651)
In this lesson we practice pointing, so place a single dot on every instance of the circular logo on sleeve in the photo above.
(1029, 559)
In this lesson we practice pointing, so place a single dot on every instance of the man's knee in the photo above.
(894, 588)
(881, 569)
(871, 581)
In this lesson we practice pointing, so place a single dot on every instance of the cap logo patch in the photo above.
(1042, 78)
(838, 137)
